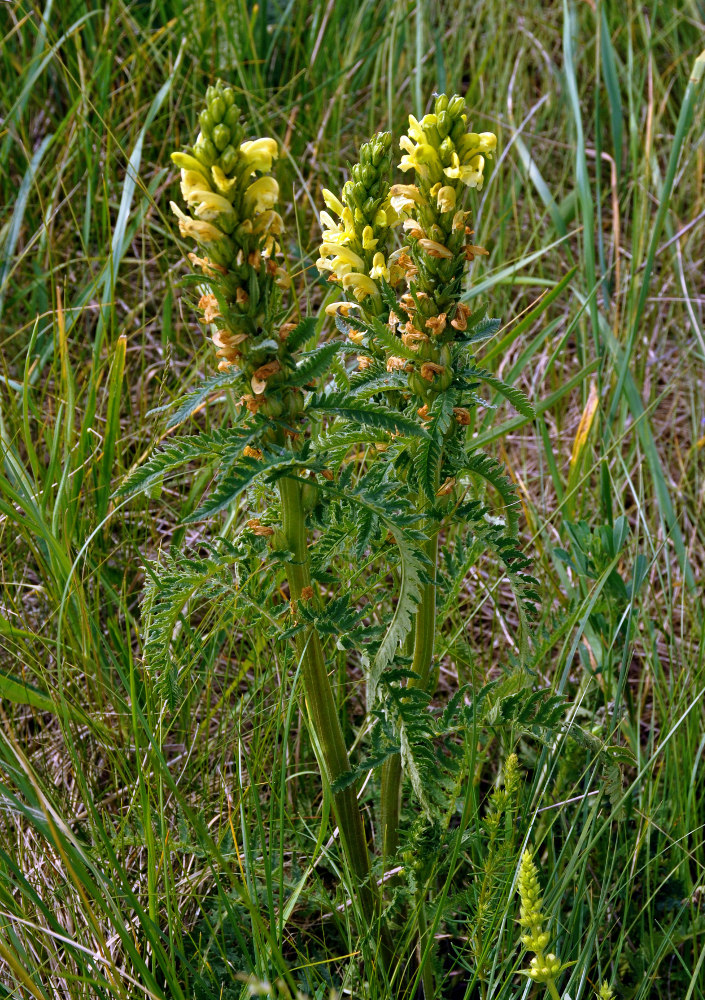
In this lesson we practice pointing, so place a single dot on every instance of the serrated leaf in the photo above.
(172, 455)
(364, 412)
(493, 472)
(516, 397)
(315, 364)
(301, 333)
(412, 568)
(190, 403)
(390, 342)
(428, 456)
(482, 331)
(241, 475)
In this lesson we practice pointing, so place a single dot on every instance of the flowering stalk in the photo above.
(544, 967)
(424, 318)
(446, 160)
(226, 184)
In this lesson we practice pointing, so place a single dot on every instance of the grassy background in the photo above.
(140, 851)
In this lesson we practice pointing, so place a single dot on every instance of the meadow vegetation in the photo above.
(165, 829)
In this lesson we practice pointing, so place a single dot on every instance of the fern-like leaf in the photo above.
(412, 568)
(191, 402)
(312, 366)
(171, 456)
(493, 472)
(428, 454)
(301, 333)
(516, 397)
(364, 412)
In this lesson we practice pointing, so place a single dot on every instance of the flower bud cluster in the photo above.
(606, 992)
(230, 196)
(354, 249)
(544, 967)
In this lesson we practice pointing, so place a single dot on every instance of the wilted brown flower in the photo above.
(436, 324)
(429, 369)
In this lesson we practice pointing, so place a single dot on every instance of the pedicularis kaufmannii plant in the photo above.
(359, 449)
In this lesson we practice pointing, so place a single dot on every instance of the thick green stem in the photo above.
(321, 702)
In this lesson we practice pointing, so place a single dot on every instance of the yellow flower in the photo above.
(332, 202)
(187, 162)
(259, 153)
(340, 308)
(417, 158)
(210, 206)
(224, 185)
(469, 173)
(379, 267)
(434, 249)
(269, 222)
(263, 192)
(361, 285)
(192, 180)
(368, 240)
(416, 128)
(403, 197)
(445, 199)
(204, 232)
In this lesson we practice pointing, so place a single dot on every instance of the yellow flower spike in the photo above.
(263, 193)
(544, 968)
(606, 992)
(203, 232)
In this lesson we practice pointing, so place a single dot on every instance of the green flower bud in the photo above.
(221, 137)
(206, 122)
(206, 152)
(232, 118)
(228, 159)
(217, 108)
(441, 104)
(456, 106)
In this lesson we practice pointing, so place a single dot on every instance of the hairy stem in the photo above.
(321, 702)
